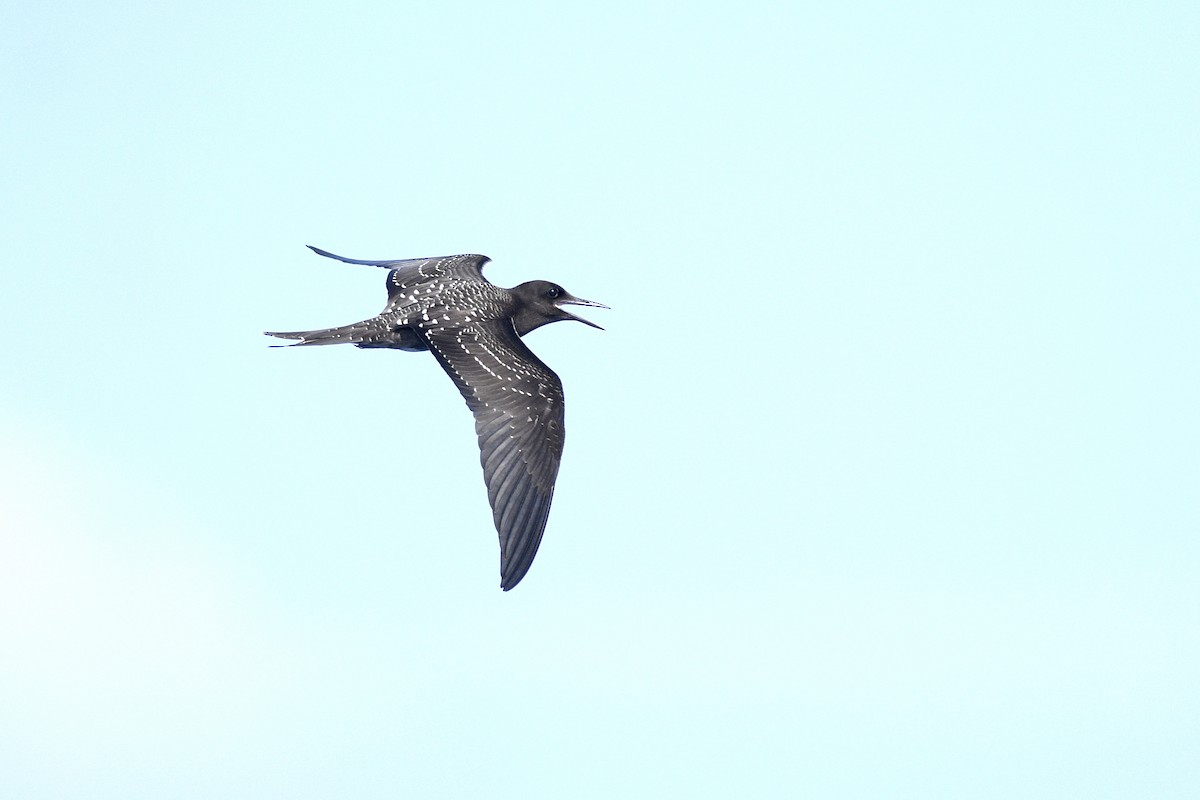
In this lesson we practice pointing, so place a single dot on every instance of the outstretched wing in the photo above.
(409, 276)
(518, 406)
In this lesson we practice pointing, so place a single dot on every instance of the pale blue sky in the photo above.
(880, 484)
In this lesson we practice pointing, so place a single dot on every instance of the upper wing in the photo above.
(409, 275)
(518, 405)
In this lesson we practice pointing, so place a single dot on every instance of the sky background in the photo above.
(881, 482)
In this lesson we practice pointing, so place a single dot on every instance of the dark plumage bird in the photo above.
(473, 328)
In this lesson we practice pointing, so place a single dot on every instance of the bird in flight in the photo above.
(474, 329)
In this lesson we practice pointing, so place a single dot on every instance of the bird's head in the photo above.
(541, 302)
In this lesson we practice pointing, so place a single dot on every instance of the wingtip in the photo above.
(334, 256)
(510, 583)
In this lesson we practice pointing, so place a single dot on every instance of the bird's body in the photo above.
(473, 328)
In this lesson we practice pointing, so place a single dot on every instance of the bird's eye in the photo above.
(553, 292)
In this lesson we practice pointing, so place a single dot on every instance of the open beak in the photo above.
(572, 300)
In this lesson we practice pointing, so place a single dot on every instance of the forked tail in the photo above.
(359, 333)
